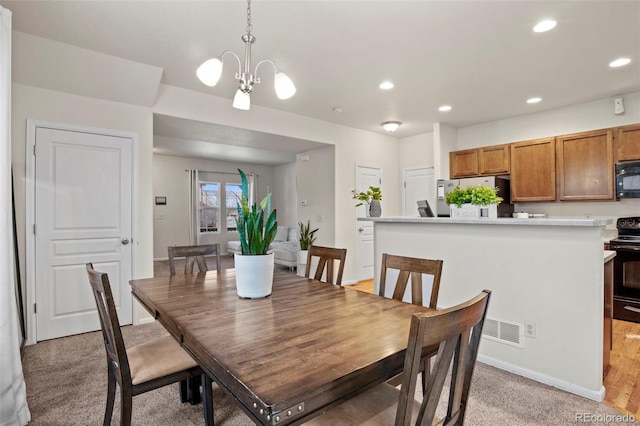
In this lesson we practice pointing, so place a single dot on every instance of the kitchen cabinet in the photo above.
(533, 170)
(584, 166)
(484, 161)
(494, 160)
(463, 163)
(627, 143)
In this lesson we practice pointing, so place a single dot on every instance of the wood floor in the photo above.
(622, 383)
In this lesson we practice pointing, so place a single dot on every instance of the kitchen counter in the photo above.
(609, 255)
(547, 273)
(551, 221)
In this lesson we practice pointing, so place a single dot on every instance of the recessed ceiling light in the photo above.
(391, 126)
(620, 62)
(445, 108)
(386, 85)
(546, 25)
(337, 110)
(533, 100)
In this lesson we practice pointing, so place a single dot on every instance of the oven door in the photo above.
(626, 282)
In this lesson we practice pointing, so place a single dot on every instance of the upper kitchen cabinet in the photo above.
(494, 160)
(533, 170)
(463, 163)
(584, 166)
(485, 161)
(627, 143)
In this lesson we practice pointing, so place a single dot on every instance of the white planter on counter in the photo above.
(472, 211)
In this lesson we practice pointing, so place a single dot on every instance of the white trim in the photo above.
(547, 380)
(30, 266)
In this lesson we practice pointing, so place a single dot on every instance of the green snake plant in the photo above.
(257, 223)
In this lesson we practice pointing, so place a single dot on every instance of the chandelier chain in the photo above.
(249, 26)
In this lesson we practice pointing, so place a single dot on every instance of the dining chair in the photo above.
(455, 333)
(144, 367)
(412, 267)
(327, 256)
(193, 255)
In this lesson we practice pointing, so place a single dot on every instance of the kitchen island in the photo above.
(546, 277)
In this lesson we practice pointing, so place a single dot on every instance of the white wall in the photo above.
(416, 151)
(284, 198)
(316, 185)
(171, 221)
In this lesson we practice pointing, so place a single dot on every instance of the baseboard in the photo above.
(597, 396)
(145, 320)
(349, 282)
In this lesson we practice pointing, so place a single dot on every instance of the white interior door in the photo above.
(419, 184)
(83, 212)
(366, 176)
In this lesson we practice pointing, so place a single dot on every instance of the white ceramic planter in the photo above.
(472, 211)
(254, 275)
(302, 262)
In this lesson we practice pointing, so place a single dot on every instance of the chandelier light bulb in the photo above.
(210, 71)
(284, 86)
(242, 100)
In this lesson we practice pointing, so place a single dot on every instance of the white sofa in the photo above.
(285, 247)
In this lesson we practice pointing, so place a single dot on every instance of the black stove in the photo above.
(626, 269)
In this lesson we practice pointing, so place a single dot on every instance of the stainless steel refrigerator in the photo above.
(505, 209)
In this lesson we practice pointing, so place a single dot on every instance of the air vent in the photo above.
(508, 332)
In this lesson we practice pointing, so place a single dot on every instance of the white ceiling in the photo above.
(481, 57)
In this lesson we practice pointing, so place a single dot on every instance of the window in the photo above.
(233, 193)
(209, 208)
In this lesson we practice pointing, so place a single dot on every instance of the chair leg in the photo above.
(111, 396)
(207, 400)
(184, 391)
(126, 408)
(194, 390)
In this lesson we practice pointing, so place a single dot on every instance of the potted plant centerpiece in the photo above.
(257, 228)
(307, 238)
(372, 198)
(474, 202)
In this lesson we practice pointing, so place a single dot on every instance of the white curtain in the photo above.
(13, 396)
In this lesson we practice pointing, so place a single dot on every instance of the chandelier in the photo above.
(211, 70)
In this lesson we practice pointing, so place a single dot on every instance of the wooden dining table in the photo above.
(287, 357)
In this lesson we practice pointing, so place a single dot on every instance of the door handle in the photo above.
(360, 229)
(125, 241)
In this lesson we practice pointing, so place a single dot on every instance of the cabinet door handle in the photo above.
(632, 309)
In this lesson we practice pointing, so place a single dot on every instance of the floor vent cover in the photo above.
(508, 332)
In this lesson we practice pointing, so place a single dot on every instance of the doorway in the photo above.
(80, 209)
(419, 184)
(366, 176)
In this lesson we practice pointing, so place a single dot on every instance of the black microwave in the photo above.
(628, 179)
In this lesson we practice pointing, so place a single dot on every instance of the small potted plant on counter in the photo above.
(372, 198)
(474, 202)
(257, 228)
(307, 238)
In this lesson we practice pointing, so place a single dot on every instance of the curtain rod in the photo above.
(220, 173)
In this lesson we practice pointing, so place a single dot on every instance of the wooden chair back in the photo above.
(113, 342)
(327, 256)
(455, 332)
(411, 267)
(193, 255)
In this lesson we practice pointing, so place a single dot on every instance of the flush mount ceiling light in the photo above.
(543, 26)
(620, 62)
(391, 126)
(210, 71)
